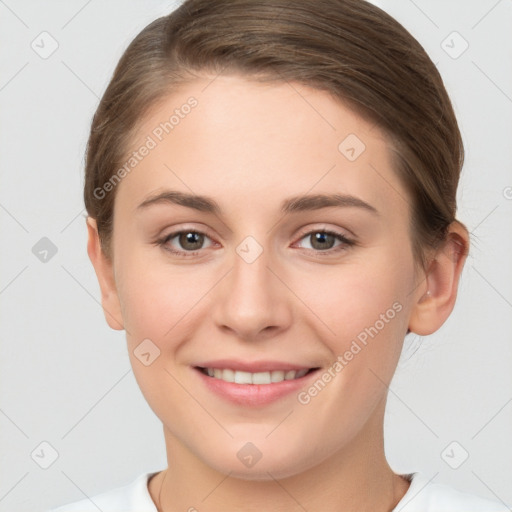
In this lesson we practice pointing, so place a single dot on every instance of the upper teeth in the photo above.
(239, 377)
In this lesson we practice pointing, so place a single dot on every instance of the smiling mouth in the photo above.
(240, 377)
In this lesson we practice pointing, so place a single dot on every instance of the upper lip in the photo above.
(252, 366)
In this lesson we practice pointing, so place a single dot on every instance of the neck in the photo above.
(356, 477)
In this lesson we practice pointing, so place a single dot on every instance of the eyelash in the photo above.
(346, 242)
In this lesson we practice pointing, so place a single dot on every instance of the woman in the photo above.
(271, 190)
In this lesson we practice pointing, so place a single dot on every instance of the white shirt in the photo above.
(422, 496)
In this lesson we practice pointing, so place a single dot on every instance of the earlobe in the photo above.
(105, 274)
(435, 297)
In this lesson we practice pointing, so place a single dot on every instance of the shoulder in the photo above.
(424, 495)
(128, 498)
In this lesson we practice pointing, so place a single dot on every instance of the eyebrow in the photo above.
(290, 205)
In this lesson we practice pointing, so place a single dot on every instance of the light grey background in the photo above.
(65, 376)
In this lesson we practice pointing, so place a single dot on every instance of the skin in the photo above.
(250, 146)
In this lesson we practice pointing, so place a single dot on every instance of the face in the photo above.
(296, 257)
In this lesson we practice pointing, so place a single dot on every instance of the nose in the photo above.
(251, 302)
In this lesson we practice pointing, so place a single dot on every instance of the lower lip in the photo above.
(253, 394)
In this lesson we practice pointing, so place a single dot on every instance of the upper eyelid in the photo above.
(335, 231)
(186, 229)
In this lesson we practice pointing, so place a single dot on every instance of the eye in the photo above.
(325, 240)
(190, 241)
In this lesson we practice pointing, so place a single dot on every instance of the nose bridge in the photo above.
(250, 277)
(251, 299)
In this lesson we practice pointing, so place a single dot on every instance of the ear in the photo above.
(105, 274)
(435, 297)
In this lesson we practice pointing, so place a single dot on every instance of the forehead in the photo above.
(226, 134)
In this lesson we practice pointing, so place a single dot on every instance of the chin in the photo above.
(275, 466)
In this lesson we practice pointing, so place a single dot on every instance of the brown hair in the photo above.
(349, 48)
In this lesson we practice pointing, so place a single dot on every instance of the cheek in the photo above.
(365, 305)
(157, 298)
(158, 304)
